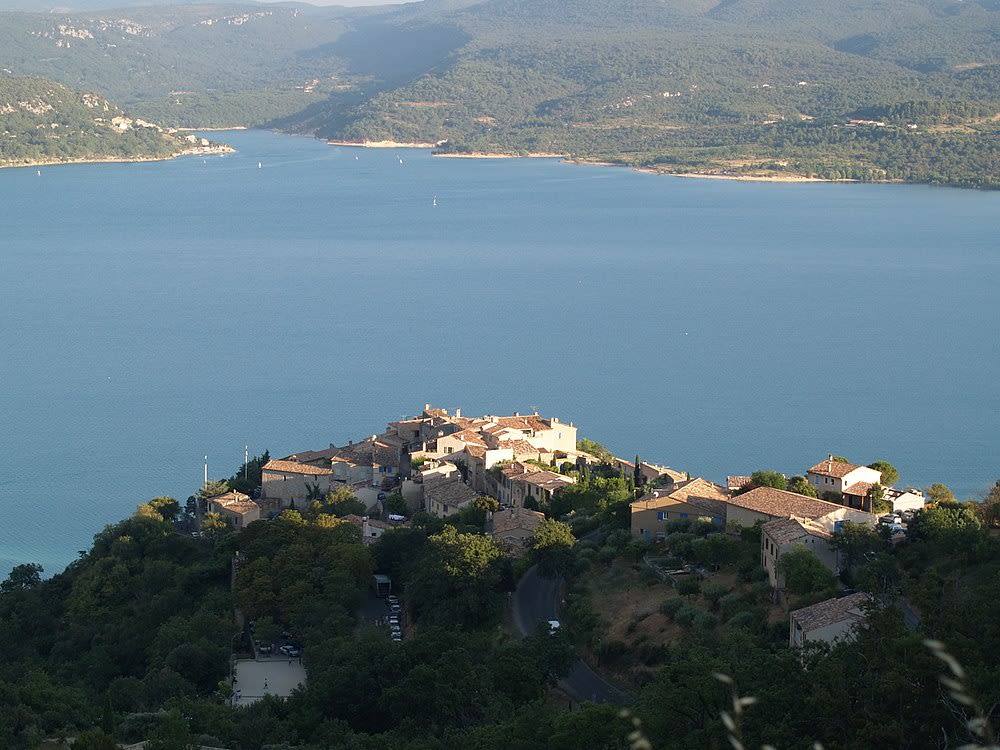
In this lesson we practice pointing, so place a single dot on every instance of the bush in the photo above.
(731, 603)
(714, 592)
(686, 615)
(618, 539)
(751, 571)
(688, 586)
(670, 606)
(705, 621)
(652, 653)
(677, 527)
(745, 620)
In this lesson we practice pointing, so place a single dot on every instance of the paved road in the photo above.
(536, 600)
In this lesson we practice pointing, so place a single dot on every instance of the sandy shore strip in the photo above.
(381, 144)
(223, 149)
(485, 155)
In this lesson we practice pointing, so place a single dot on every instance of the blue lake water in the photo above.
(154, 313)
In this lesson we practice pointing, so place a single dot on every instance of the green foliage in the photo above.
(94, 739)
(766, 478)
(856, 542)
(247, 478)
(594, 448)
(396, 505)
(801, 485)
(551, 546)
(689, 587)
(342, 502)
(939, 493)
(879, 503)
(889, 473)
(459, 581)
(212, 488)
(945, 523)
(804, 573)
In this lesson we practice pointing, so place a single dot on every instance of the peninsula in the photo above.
(48, 123)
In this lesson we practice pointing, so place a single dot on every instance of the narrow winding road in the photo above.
(536, 600)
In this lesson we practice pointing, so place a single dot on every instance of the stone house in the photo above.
(690, 499)
(830, 621)
(237, 509)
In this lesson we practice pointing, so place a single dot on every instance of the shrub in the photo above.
(744, 620)
(686, 615)
(652, 653)
(618, 539)
(688, 586)
(705, 621)
(714, 592)
(670, 606)
(731, 603)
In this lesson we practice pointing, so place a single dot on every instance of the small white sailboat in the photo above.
(38, 173)
(400, 160)
(259, 165)
(434, 202)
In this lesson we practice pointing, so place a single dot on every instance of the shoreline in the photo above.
(488, 155)
(120, 160)
(381, 144)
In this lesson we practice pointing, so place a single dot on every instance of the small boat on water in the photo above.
(435, 201)
(259, 165)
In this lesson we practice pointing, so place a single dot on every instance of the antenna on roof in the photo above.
(206, 472)
(246, 461)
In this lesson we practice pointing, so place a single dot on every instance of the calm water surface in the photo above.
(154, 313)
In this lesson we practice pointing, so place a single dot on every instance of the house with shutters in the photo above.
(690, 499)
(848, 482)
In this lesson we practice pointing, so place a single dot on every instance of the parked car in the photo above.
(397, 638)
(289, 650)
(264, 649)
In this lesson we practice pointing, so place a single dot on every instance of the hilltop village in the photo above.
(502, 581)
(516, 468)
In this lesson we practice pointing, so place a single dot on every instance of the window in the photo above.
(449, 449)
(661, 515)
(684, 515)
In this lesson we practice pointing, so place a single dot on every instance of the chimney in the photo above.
(517, 414)
(458, 412)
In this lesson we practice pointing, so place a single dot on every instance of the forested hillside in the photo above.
(44, 122)
(732, 87)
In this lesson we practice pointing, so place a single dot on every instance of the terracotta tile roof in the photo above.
(781, 503)
(467, 436)
(308, 457)
(234, 502)
(448, 490)
(831, 612)
(368, 452)
(831, 468)
(518, 446)
(293, 467)
(547, 480)
(515, 518)
(787, 530)
(698, 492)
(737, 482)
(476, 451)
(516, 469)
(859, 489)
(533, 423)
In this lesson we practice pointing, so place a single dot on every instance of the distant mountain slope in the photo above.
(726, 86)
(45, 122)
